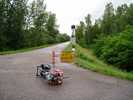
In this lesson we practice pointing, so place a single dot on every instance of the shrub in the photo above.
(62, 38)
(116, 49)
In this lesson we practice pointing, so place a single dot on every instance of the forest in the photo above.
(25, 24)
(110, 37)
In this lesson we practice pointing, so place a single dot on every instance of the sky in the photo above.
(69, 12)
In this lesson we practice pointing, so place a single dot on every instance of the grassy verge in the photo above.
(24, 49)
(86, 59)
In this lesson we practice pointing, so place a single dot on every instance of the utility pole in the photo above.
(73, 38)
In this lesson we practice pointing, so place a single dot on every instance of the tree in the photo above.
(129, 15)
(51, 25)
(87, 29)
(108, 24)
(95, 31)
(80, 32)
(39, 15)
(62, 38)
(41, 24)
(36, 24)
(3, 24)
(120, 17)
(16, 13)
(26, 25)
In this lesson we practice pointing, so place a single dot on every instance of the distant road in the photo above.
(18, 80)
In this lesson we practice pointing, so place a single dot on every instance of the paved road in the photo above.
(18, 80)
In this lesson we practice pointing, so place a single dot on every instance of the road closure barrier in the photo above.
(67, 56)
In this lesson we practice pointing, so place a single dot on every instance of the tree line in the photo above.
(26, 24)
(111, 36)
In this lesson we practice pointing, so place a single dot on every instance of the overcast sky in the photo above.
(70, 12)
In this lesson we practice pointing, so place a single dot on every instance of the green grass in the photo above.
(24, 49)
(86, 59)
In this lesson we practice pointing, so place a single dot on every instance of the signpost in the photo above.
(67, 57)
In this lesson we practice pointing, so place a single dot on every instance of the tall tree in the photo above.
(15, 22)
(88, 29)
(108, 25)
(39, 14)
(51, 25)
(129, 13)
(80, 33)
(95, 31)
(3, 23)
(36, 23)
(120, 17)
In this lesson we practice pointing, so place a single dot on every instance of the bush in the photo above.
(62, 38)
(116, 49)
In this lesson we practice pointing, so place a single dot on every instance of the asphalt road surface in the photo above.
(18, 80)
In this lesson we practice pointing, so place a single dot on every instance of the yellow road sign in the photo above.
(67, 57)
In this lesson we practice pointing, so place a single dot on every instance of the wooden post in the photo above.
(53, 58)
